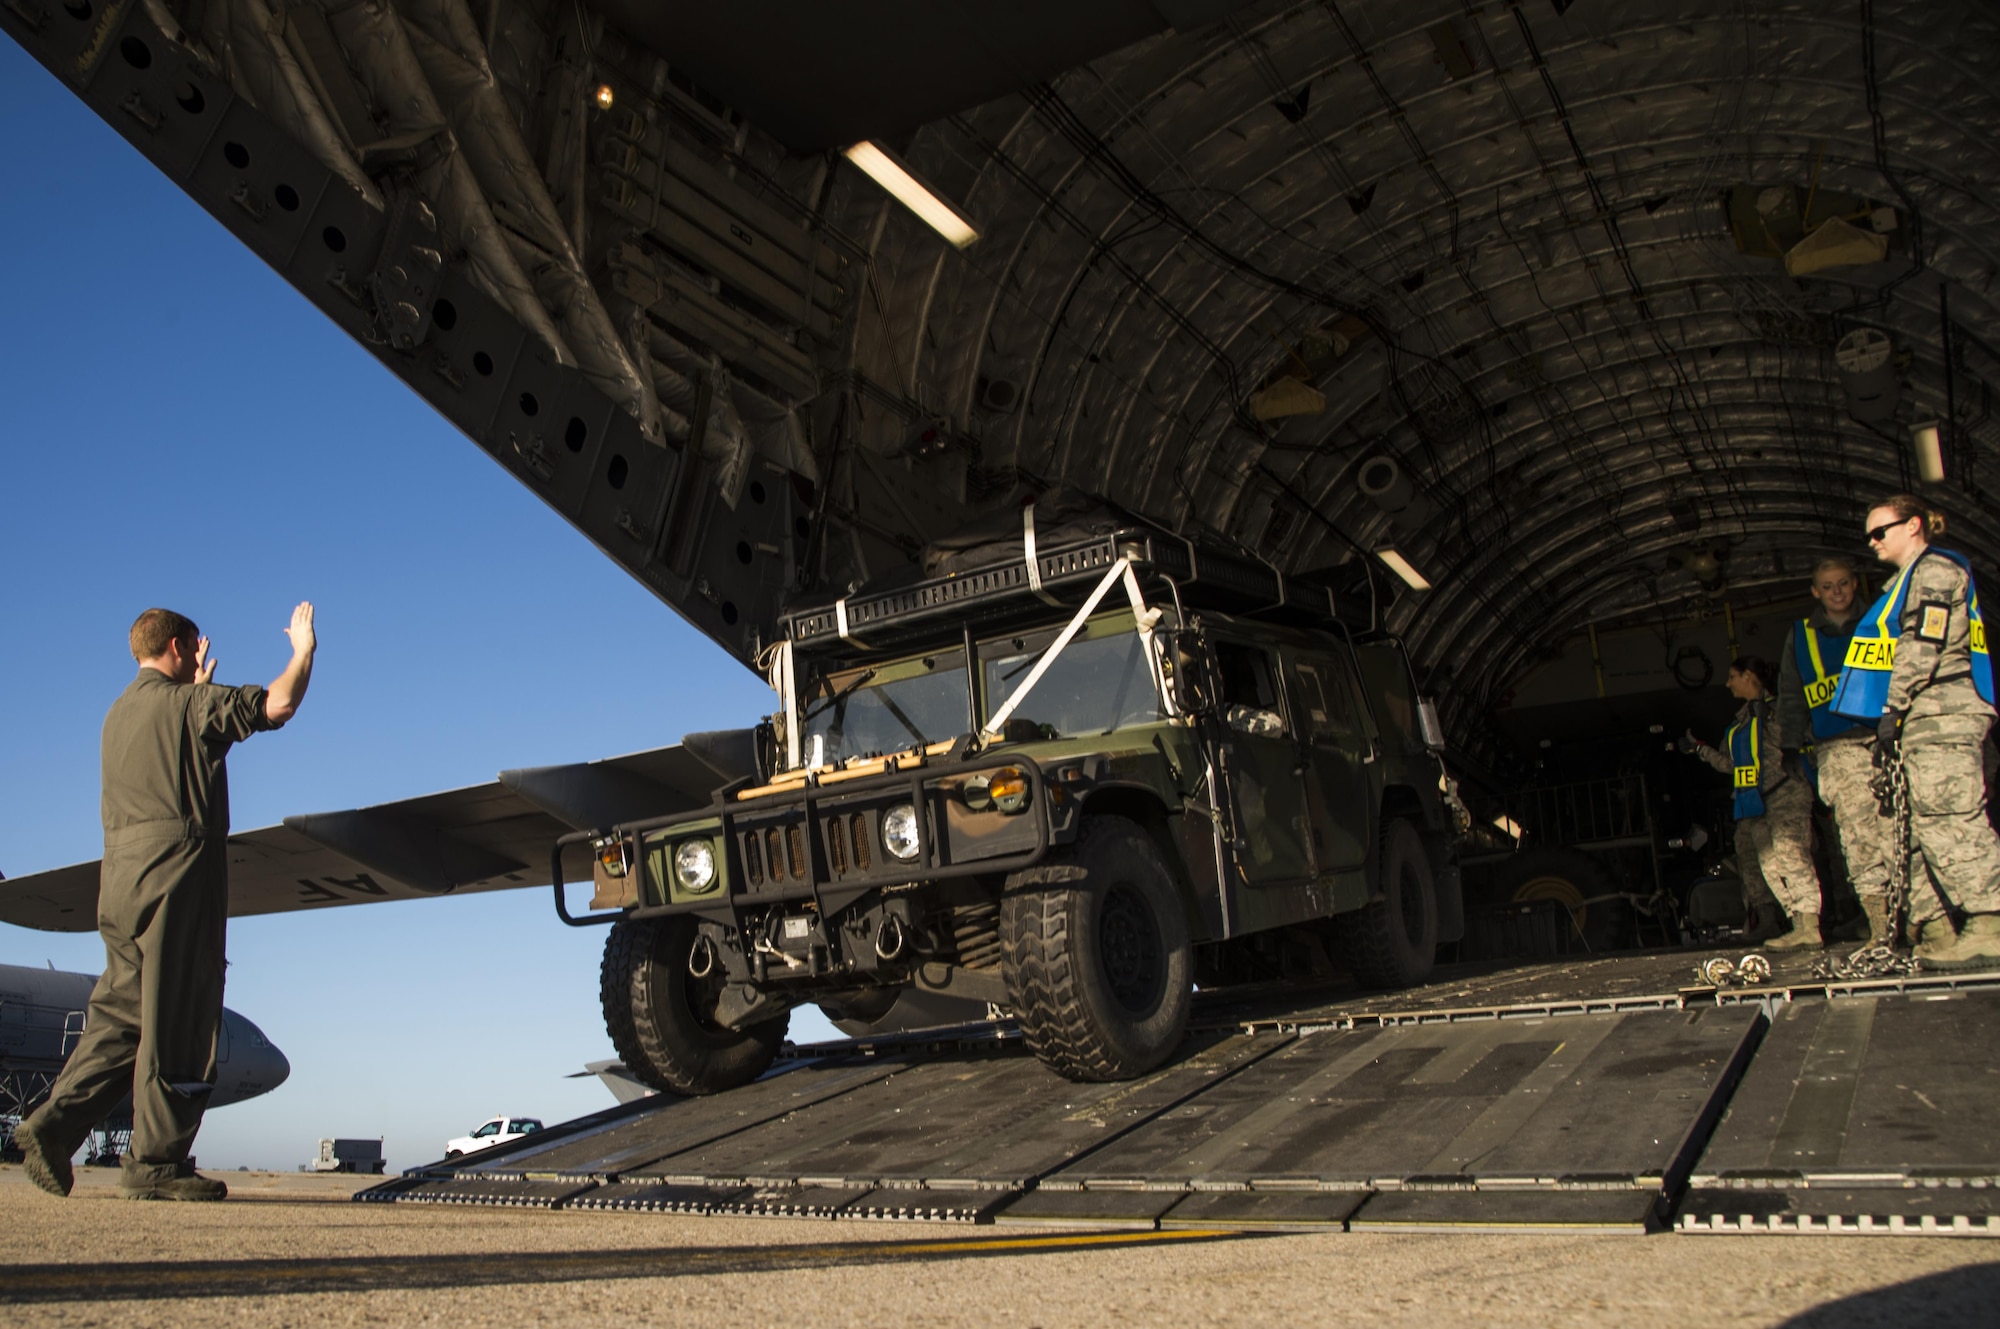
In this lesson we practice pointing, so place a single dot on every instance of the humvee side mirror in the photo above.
(1193, 685)
(1428, 722)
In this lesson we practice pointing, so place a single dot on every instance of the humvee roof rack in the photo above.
(1206, 578)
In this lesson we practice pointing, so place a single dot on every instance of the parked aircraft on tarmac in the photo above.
(41, 1018)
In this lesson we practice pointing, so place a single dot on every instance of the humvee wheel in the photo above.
(658, 1014)
(1392, 943)
(1100, 973)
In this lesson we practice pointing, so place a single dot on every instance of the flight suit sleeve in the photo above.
(229, 715)
(1794, 720)
(1934, 614)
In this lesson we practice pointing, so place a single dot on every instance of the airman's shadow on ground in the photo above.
(163, 1280)
(1966, 1296)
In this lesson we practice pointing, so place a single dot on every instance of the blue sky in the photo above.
(179, 427)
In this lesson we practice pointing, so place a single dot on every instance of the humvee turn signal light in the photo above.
(1005, 790)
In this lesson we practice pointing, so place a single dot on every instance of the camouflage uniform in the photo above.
(1944, 733)
(1845, 764)
(1774, 851)
(1846, 768)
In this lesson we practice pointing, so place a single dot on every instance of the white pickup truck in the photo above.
(492, 1131)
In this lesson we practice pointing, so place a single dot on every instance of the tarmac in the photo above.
(290, 1248)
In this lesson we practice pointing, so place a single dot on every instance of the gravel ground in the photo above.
(288, 1248)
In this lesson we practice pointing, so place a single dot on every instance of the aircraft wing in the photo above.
(490, 837)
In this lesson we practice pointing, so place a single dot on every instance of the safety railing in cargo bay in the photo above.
(1613, 813)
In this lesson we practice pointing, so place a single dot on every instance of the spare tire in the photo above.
(1574, 880)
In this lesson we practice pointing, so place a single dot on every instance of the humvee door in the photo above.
(1340, 788)
(1265, 779)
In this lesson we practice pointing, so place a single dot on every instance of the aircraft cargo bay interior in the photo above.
(1370, 610)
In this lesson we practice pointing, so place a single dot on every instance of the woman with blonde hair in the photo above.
(1835, 753)
(1918, 671)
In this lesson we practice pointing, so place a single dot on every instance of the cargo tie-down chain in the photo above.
(1879, 959)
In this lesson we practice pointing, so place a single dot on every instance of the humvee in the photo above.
(1074, 781)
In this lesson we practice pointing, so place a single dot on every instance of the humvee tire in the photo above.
(1100, 972)
(1392, 943)
(656, 1013)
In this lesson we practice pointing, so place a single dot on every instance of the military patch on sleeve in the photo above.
(1933, 621)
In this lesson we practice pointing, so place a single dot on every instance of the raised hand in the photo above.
(204, 668)
(288, 689)
(304, 640)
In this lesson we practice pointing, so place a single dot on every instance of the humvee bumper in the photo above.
(829, 842)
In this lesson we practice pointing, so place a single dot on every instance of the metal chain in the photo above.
(1868, 962)
(1899, 845)
(1881, 959)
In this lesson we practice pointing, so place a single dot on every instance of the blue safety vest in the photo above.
(1820, 686)
(1863, 692)
(1746, 755)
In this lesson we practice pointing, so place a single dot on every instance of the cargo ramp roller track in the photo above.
(1550, 1097)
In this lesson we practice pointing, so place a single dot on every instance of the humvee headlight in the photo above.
(694, 866)
(611, 856)
(899, 831)
(1008, 789)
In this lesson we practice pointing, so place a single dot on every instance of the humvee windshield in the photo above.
(884, 708)
(1099, 683)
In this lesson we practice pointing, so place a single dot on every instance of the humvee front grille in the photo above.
(858, 827)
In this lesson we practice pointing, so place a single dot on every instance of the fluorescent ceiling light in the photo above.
(1403, 568)
(1924, 441)
(883, 168)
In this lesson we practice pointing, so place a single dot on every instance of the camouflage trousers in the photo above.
(1846, 768)
(1774, 851)
(1949, 832)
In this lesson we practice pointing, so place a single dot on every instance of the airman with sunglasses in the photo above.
(1918, 670)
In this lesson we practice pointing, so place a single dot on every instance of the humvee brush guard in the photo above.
(1073, 781)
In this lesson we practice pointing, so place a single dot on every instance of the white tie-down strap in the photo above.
(841, 621)
(1029, 553)
(1121, 570)
(784, 682)
(1146, 620)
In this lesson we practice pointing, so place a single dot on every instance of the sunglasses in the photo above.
(1875, 533)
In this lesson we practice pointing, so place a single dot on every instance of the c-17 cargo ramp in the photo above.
(1603, 1095)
